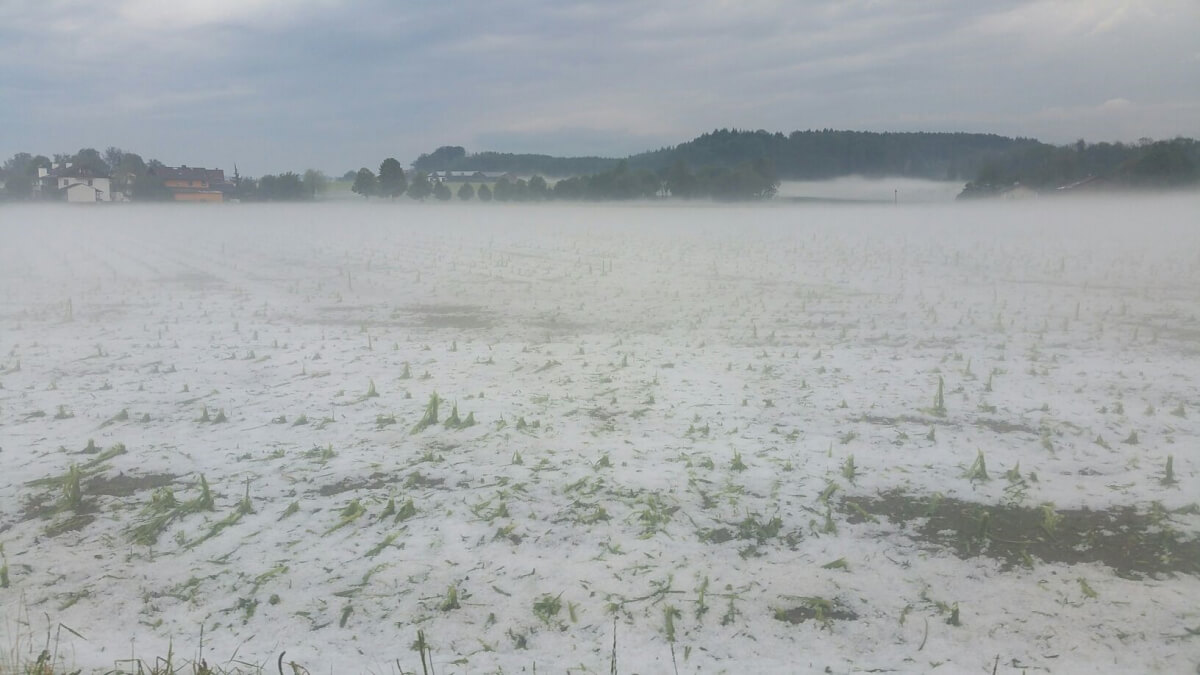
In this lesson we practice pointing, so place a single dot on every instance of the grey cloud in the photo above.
(339, 85)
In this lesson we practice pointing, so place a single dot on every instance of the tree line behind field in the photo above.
(140, 181)
(747, 181)
(1147, 164)
(800, 155)
(137, 178)
(988, 161)
(725, 164)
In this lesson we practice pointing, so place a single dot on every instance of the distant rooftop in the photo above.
(190, 173)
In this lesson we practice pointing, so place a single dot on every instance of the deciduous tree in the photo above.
(364, 183)
(392, 181)
(315, 182)
(420, 187)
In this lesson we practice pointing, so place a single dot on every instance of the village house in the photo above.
(75, 184)
(193, 184)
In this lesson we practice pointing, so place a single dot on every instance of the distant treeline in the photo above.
(726, 164)
(138, 179)
(748, 180)
(455, 158)
(801, 155)
(1146, 164)
(285, 187)
(989, 161)
(20, 172)
(755, 179)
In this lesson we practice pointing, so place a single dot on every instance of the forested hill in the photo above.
(800, 155)
(455, 158)
(829, 153)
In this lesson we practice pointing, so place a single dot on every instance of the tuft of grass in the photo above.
(88, 468)
(165, 509)
(408, 510)
(547, 607)
(759, 531)
(978, 470)
(849, 471)
(1046, 442)
(431, 415)
(320, 454)
(291, 510)
(737, 464)
(655, 515)
(1169, 475)
(953, 618)
(669, 614)
(939, 399)
(830, 526)
(451, 601)
(387, 541)
(205, 501)
(228, 521)
(245, 507)
(1051, 519)
(1013, 475)
(349, 513)
(453, 421)
(51, 660)
(72, 492)
(830, 488)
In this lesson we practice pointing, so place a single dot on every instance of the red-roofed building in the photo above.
(193, 184)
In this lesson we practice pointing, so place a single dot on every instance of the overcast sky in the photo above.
(276, 85)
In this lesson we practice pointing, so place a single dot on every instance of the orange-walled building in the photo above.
(191, 184)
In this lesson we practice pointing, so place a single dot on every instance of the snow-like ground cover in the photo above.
(716, 430)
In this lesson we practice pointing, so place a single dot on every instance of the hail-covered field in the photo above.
(712, 439)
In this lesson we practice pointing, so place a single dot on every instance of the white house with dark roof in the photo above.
(77, 185)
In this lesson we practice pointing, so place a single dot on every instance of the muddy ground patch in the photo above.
(1137, 542)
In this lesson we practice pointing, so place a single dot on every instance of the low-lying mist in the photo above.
(867, 189)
